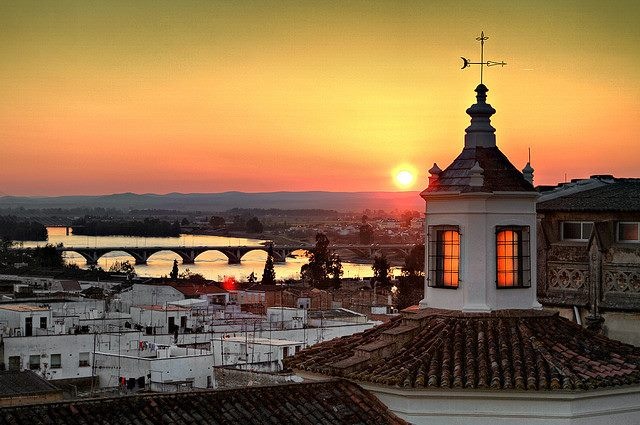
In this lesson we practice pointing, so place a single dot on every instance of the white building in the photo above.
(155, 367)
(25, 319)
(479, 349)
(254, 353)
(162, 318)
(287, 317)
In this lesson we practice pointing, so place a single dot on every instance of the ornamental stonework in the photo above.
(568, 254)
(564, 277)
(621, 279)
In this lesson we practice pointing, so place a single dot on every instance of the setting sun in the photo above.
(404, 178)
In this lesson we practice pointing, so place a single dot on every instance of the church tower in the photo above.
(480, 226)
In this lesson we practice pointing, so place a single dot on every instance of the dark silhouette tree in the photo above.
(217, 222)
(252, 278)
(315, 271)
(411, 283)
(334, 270)
(366, 233)
(123, 267)
(47, 257)
(269, 273)
(254, 225)
(381, 271)
(174, 270)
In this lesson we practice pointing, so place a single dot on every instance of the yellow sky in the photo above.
(103, 97)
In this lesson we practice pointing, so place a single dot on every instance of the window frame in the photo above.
(59, 365)
(634, 241)
(433, 256)
(81, 361)
(32, 365)
(582, 223)
(523, 257)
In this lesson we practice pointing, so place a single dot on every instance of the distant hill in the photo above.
(340, 201)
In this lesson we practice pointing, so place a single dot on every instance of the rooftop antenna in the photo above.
(529, 160)
(467, 62)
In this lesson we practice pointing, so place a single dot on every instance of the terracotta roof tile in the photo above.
(329, 402)
(499, 174)
(504, 350)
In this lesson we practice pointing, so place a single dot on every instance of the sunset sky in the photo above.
(102, 97)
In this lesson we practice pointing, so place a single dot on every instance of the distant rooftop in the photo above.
(21, 383)
(196, 289)
(23, 307)
(597, 193)
(162, 307)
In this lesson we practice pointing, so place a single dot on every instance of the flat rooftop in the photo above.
(162, 307)
(23, 307)
(262, 341)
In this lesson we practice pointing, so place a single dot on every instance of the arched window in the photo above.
(513, 263)
(444, 256)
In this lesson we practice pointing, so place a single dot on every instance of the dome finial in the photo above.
(480, 133)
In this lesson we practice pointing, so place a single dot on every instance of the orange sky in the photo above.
(104, 97)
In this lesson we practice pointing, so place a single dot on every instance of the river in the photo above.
(210, 264)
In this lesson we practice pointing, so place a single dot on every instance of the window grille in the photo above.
(513, 257)
(444, 256)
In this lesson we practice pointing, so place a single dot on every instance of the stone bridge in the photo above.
(234, 254)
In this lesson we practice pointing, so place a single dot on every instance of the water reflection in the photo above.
(211, 264)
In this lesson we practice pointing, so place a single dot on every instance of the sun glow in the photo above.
(404, 179)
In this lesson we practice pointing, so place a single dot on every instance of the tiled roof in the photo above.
(20, 383)
(504, 350)
(499, 174)
(615, 195)
(329, 402)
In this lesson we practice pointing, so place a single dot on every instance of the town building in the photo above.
(589, 253)
(155, 367)
(479, 348)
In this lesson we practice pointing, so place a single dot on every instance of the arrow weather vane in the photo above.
(482, 63)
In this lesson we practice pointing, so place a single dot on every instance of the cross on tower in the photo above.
(466, 62)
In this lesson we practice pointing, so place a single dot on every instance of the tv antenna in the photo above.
(467, 62)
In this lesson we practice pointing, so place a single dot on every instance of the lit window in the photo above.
(629, 232)
(513, 262)
(444, 256)
(56, 361)
(576, 230)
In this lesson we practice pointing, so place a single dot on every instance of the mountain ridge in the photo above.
(222, 201)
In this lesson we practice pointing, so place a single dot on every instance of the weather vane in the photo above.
(482, 63)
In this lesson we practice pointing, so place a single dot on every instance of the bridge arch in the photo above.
(231, 253)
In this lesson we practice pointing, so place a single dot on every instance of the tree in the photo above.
(192, 277)
(366, 233)
(123, 267)
(315, 271)
(254, 225)
(269, 273)
(47, 257)
(174, 270)
(334, 270)
(252, 278)
(407, 216)
(184, 222)
(217, 222)
(381, 271)
(411, 283)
